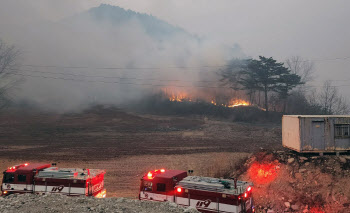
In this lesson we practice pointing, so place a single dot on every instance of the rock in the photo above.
(291, 160)
(190, 209)
(295, 207)
(302, 159)
(343, 160)
(287, 204)
(307, 163)
(270, 211)
(298, 176)
(302, 170)
(172, 204)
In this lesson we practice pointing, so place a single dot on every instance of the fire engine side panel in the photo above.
(48, 185)
(97, 183)
(291, 137)
(20, 188)
(60, 189)
(205, 203)
(144, 195)
(229, 208)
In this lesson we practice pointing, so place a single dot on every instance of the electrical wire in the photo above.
(114, 82)
(107, 77)
(139, 84)
(167, 67)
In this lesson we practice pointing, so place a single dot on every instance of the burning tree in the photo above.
(264, 75)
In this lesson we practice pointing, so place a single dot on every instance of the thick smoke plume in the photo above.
(108, 55)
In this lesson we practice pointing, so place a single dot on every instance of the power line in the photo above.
(134, 78)
(141, 84)
(109, 77)
(124, 68)
(166, 67)
(329, 59)
(115, 82)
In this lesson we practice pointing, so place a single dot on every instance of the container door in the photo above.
(317, 135)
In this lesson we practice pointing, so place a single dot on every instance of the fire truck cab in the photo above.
(203, 193)
(42, 178)
(158, 185)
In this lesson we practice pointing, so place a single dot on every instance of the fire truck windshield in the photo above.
(9, 178)
(147, 186)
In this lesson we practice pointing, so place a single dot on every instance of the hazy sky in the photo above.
(313, 29)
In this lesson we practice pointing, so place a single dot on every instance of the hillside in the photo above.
(119, 17)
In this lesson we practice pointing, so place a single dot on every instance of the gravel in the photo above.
(62, 203)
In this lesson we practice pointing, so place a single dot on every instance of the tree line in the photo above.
(272, 85)
(283, 87)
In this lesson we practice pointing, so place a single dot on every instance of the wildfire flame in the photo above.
(232, 103)
(181, 97)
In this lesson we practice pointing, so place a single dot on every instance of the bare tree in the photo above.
(301, 67)
(331, 101)
(342, 106)
(8, 58)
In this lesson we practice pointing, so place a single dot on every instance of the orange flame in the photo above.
(232, 103)
(181, 96)
(236, 103)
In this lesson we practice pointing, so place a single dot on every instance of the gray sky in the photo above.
(312, 29)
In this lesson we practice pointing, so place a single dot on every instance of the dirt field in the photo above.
(127, 145)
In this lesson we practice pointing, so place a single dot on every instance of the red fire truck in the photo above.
(43, 178)
(203, 193)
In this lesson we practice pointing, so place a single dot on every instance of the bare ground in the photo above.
(127, 145)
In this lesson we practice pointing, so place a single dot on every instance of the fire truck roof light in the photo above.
(26, 164)
(245, 194)
(179, 190)
(249, 188)
(162, 170)
(149, 175)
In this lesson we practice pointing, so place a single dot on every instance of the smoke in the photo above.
(102, 47)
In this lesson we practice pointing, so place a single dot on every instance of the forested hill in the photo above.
(119, 17)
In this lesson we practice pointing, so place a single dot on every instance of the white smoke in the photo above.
(82, 41)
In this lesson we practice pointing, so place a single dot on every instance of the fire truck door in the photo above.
(90, 189)
(243, 207)
(247, 204)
